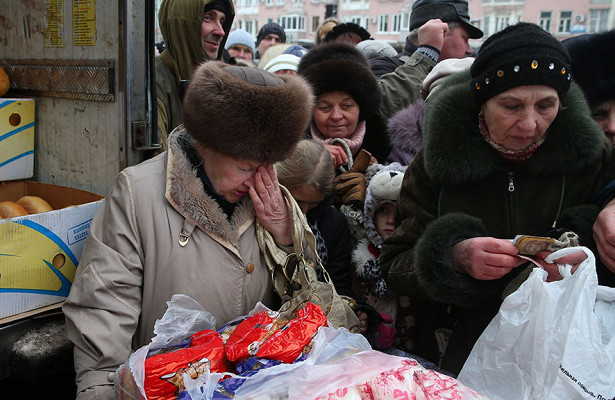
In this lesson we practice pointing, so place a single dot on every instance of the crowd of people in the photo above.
(414, 171)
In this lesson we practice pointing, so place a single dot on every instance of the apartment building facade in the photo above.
(389, 19)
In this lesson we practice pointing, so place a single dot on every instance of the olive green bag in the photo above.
(294, 274)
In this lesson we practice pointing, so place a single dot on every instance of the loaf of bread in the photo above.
(10, 209)
(34, 204)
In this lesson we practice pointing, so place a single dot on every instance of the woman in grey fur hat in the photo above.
(185, 220)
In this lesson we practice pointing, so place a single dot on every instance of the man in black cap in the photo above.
(269, 34)
(193, 31)
(439, 29)
(455, 43)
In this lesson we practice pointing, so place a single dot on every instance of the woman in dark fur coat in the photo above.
(509, 148)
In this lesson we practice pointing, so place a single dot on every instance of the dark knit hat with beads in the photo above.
(521, 54)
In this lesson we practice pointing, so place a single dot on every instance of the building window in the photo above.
(292, 23)
(598, 20)
(280, 2)
(358, 20)
(383, 23)
(397, 21)
(565, 18)
(501, 23)
(487, 21)
(405, 22)
(249, 26)
(269, 3)
(315, 23)
(545, 20)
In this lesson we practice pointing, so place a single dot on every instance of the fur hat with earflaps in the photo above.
(339, 66)
(247, 113)
(593, 65)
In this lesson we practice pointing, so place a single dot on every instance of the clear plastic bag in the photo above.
(339, 365)
(550, 340)
(184, 317)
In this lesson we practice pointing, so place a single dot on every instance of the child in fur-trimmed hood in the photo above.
(383, 185)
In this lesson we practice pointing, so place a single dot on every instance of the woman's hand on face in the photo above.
(271, 207)
(338, 154)
(485, 258)
(552, 269)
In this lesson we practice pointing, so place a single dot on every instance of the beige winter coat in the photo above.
(133, 263)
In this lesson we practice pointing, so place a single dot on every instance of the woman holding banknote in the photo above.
(509, 149)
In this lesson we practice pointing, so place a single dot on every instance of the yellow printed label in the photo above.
(54, 23)
(16, 130)
(84, 22)
(33, 260)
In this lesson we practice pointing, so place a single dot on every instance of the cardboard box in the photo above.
(16, 139)
(39, 253)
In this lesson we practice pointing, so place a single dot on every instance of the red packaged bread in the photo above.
(266, 335)
(164, 368)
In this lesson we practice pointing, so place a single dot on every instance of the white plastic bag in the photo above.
(184, 316)
(549, 340)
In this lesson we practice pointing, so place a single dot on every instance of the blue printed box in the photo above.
(16, 139)
(39, 253)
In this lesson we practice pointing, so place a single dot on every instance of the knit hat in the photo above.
(246, 113)
(383, 186)
(339, 66)
(296, 50)
(593, 65)
(441, 71)
(268, 28)
(239, 36)
(445, 10)
(521, 54)
(376, 48)
(282, 62)
(219, 5)
(347, 27)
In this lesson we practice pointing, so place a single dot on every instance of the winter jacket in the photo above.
(404, 131)
(366, 271)
(335, 233)
(458, 187)
(384, 65)
(158, 234)
(399, 89)
(606, 277)
(180, 25)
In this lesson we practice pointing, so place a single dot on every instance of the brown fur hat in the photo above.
(335, 66)
(246, 113)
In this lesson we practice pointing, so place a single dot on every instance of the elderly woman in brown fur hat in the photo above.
(184, 221)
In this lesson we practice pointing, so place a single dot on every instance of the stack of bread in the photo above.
(24, 206)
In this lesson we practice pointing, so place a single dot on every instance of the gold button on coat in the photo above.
(250, 268)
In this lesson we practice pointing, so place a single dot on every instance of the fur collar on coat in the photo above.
(455, 151)
(185, 192)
